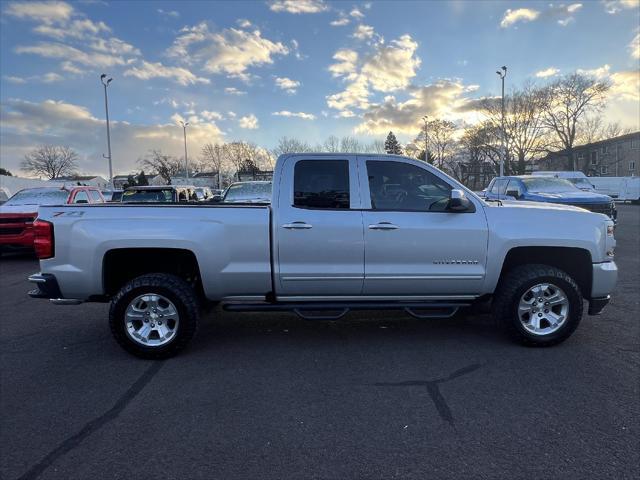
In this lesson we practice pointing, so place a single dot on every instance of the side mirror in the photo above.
(513, 193)
(458, 202)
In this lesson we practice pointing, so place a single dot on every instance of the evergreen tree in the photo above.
(142, 179)
(391, 145)
(5, 172)
(131, 182)
(430, 158)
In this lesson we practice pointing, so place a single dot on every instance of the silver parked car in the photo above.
(248, 192)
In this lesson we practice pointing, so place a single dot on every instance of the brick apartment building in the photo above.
(613, 157)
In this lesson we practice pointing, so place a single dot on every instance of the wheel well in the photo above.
(575, 261)
(124, 264)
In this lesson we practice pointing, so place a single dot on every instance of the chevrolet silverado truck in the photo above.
(341, 232)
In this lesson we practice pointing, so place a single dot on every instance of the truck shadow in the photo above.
(220, 328)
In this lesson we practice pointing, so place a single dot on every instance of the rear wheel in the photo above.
(538, 305)
(154, 316)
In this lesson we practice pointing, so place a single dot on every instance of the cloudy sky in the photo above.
(258, 70)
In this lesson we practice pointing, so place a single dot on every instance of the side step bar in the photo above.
(420, 310)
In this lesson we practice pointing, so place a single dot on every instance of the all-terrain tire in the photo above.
(516, 283)
(173, 288)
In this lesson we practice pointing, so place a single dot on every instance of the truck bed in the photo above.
(230, 242)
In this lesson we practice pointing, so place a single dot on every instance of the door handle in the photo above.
(383, 226)
(297, 226)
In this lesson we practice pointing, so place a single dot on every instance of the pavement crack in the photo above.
(433, 388)
(94, 425)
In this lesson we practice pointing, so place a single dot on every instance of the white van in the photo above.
(619, 188)
(579, 179)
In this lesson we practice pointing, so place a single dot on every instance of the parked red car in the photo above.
(18, 213)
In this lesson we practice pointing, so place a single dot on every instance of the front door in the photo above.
(318, 229)
(413, 245)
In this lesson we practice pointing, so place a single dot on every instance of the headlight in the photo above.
(610, 230)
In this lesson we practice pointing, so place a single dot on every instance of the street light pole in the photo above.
(502, 73)
(426, 139)
(186, 161)
(106, 83)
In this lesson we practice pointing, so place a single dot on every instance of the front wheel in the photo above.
(154, 316)
(538, 305)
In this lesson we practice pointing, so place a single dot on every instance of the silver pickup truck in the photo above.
(342, 232)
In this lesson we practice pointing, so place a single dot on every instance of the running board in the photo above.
(420, 310)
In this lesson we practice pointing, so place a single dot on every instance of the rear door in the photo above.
(413, 245)
(317, 227)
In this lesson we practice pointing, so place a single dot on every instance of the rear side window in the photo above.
(321, 184)
(81, 197)
(95, 196)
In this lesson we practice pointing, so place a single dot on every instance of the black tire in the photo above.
(516, 283)
(179, 292)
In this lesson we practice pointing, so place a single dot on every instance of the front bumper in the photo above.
(604, 278)
(596, 305)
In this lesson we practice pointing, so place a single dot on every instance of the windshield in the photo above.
(581, 183)
(148, 196)
(548, 185)
(248, 191)
(39, 196)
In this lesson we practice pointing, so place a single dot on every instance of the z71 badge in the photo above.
(72, 213)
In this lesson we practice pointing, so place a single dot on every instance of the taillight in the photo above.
(43, 241)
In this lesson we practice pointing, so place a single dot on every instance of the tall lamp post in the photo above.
(105, 83)
(425, 119)
(502, 73)
(184, 131)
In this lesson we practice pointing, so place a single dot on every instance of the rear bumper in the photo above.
(47, 287)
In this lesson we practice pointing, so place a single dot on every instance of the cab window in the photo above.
(499, 186)
(406, 187)
(514, 187)
(321, 184)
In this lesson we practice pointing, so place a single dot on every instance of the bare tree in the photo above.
(523, 124)
(212, 156)
(481, 147)
(51, 161)
(592, 129)
(331, 145)
(567, 101)
(377, 146)
(242, 154)
(441, 141)
(167, 166)
(350, 145)
(291, 145)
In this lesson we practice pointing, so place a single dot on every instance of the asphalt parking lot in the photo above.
(379, 395)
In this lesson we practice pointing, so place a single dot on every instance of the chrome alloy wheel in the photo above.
(543, 309)
(151, 320)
